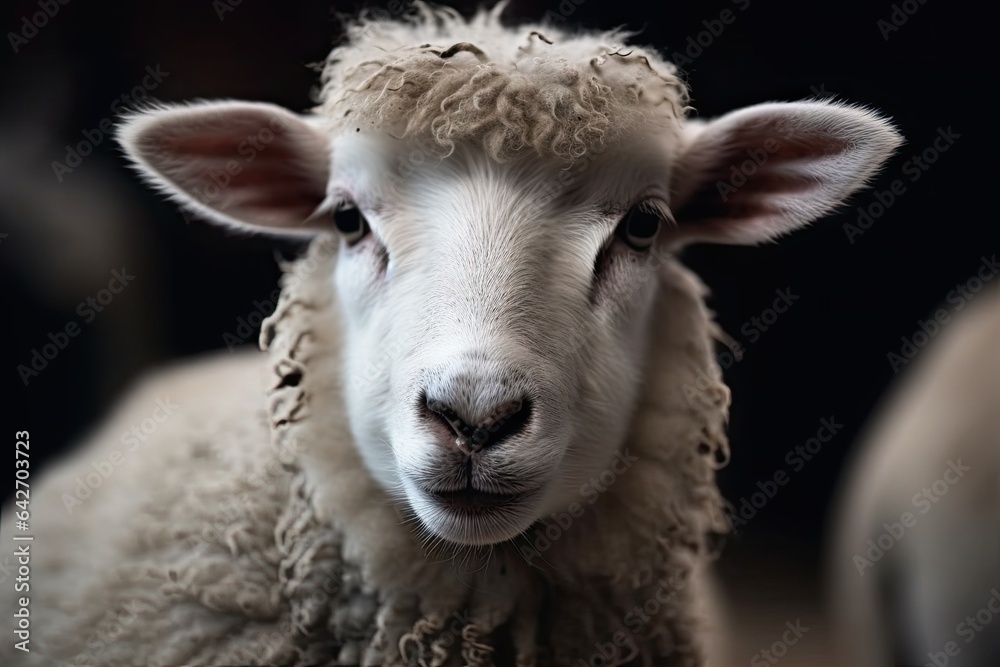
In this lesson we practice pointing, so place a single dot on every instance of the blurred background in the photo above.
(859, 283)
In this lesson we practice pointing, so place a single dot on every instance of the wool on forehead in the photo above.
(435, 76)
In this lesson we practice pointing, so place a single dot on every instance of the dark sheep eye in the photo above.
(639, 227)
(351, 224)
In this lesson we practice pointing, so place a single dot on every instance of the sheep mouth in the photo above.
(472, 501)
(474, 517)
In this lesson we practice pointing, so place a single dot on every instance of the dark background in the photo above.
(826, 357)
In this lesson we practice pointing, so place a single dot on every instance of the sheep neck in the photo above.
(622, 576)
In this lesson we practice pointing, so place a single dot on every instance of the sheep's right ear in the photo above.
(248, 165)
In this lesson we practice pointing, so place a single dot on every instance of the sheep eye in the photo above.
(639, 227)
(351, 224)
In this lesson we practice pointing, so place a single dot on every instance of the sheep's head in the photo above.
(496, 278)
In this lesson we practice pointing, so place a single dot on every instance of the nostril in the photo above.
(506, 420)
(450, 418)
(503, 421)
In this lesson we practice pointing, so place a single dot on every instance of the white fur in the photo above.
(489, 272)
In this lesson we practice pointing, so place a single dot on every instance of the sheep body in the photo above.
(225, 551)
(905, 588)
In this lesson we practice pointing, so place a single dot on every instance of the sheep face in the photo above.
(495, 320)
(496, 313)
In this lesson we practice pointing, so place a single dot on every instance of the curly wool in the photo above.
(535, 88)
(247, 530)
(646, 541)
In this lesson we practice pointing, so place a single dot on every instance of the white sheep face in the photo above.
(496, 313)
(482, 287)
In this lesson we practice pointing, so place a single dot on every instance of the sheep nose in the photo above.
(503, 420)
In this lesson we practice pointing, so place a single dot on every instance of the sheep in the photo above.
(489, 414)
(914, 565)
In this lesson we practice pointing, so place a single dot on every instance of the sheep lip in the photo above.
(470, 500)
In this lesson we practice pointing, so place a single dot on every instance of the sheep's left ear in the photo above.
(247, 165)
(765, 170)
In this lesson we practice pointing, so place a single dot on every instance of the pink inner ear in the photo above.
(750, 173)
(252, 165)
(765, 170)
